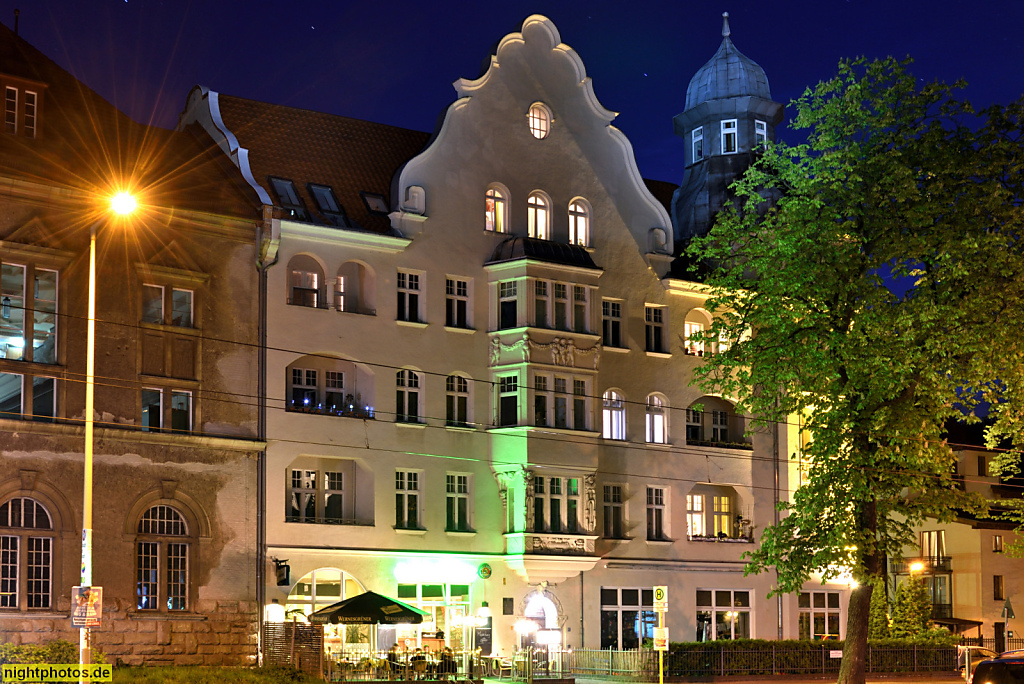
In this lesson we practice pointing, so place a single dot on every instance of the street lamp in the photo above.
(122, 203)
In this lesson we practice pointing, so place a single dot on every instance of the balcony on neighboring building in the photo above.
(930, 565)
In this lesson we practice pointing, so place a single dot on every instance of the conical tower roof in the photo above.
(729, 73)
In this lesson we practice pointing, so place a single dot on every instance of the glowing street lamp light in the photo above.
(123, 203)
(916, 566)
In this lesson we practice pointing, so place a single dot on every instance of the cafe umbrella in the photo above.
(368, 608)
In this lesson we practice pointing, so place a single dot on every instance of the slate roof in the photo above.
(729, 73)
(85, 144)
(349, 155)
(515, 248)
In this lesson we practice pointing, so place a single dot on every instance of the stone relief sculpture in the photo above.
(563, 350)
(590, 509)
(528, 488)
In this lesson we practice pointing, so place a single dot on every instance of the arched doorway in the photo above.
(319, 589)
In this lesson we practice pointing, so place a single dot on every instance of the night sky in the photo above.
(394, 62)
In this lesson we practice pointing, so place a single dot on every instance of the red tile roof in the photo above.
(304, 146)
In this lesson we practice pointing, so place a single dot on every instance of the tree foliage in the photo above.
(878, 614)
(876, 296)
(912, 612)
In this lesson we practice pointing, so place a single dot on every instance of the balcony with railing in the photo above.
(350, 408)
(718, 429)
(929, 565)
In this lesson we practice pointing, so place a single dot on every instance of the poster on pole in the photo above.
(86, 606)
(661, 599)
(661, 638)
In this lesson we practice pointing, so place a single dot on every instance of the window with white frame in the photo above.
(408, 296)
(508, 400)
(541, 401)
(329, 387)
(611, 323)
(579, 223)
(729, 136)
(654, 324)
(407, 397)
(627, 617)
(178, 404)
(696, 523)
(723, 614)
(693, 331)
(721, 515)
(613, 415)
(541, 302)
(561, 291)
(697, 143)
(316, 496)
(456, 292)
(819, 615)
(508, 305)
(334, 390)
(457, 502)
(30, 114)
(656, 517)
(407, 499)
(539, 120)
(538, 216)
(495, 211)
(17, 402)
(656, 419)
(26, 555)
(561, 402)
(162, 560)
(303, 393)
(556, 504)
(614, 512)
(28, 313)
(456, 401)
(760, 132)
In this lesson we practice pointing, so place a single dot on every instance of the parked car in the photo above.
(977, 655)
(1007, 668)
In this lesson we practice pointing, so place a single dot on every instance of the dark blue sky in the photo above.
(394, 62)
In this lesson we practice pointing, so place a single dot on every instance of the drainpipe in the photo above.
(775, 508)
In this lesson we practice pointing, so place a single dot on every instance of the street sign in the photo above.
(86, 606)
(661, 638)
(661, 599)
(1007, 611)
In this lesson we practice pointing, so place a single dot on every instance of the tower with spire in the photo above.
(729, 111)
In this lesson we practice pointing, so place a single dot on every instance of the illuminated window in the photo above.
(538, 215)
(316, 496)
(613, 415)
(693, 332)
(26, 554)
(305, 280)
(722, 614)
(760, 132)
(696, 525)
(495, 208)
(539, 119)
(656, 420)
(697, 143)
(162, 560)
(729, 136)
(579, 223)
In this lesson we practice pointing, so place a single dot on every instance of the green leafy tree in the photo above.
(912, 612)
(878, 614)
(898, 182)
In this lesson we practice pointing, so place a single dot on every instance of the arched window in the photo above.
(694, 330)
(407, 397)
(306, 282)
(319, 589)
(579, 223)
(539, 119)
(656, 420)
(495, 210)
(538, 216)
(354, 289)
(162, 560)
(613, 415)
(26, 554)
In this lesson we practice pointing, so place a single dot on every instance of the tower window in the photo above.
(729, 136)
(697, 140)
(760, 132)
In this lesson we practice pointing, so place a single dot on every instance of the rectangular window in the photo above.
(11, 110)
(44, 399)
(334, 390)
(177, 576)
(694, 426)
(407, 397)
(556, 504)
(305, 289)
(719, 426)
(627, 617)
(152, 304)
(611, 323)
(334, 496)
(561, 306)
(457, 492)
(408, 297)
(456, 303)
(982, 466)
(697, 142)
(302, 496)
(44, 317)
(579, 309)
(696, 526)
(760, 132)
(38, 563)
(729, 136)
(819, 615)
(456, 401)
(11, 390)
(579, 404)
(998, 589)
(997, 543)
(508, 305)
(328, 204)
(723, 614)
(572, 505)
(654, 319)
(24, 337)
(181, 308)
(9, 571)
(693, 332)
(152, 410)
(508, 400)
(304, 389)
(181, 411)
(12, 312)
(147, 572)
(655, 513)
(407, 499)
(540, 401)
(540, 304)
(933, 543)
(721, 515)
(561, 403)
(613, 514)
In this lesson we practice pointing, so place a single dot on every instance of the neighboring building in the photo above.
(175, 473)
(478, 368)
(963, 563)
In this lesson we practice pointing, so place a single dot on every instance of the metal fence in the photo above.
(1011, 644)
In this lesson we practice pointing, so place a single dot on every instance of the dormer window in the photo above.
(11, 110)
(729, 136)
(760, 132)
(29, 121)
(697, 138)
(289, 198)
(22, 102)
(375, 204)
(327, 204)
(539, 119)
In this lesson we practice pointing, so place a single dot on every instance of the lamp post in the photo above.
(124, 204)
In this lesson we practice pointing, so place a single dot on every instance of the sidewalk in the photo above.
(895, 678)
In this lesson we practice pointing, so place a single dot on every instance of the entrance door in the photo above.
(1000, 637)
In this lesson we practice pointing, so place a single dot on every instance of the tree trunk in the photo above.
(855, 648)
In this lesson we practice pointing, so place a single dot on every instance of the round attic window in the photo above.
(539, 119)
